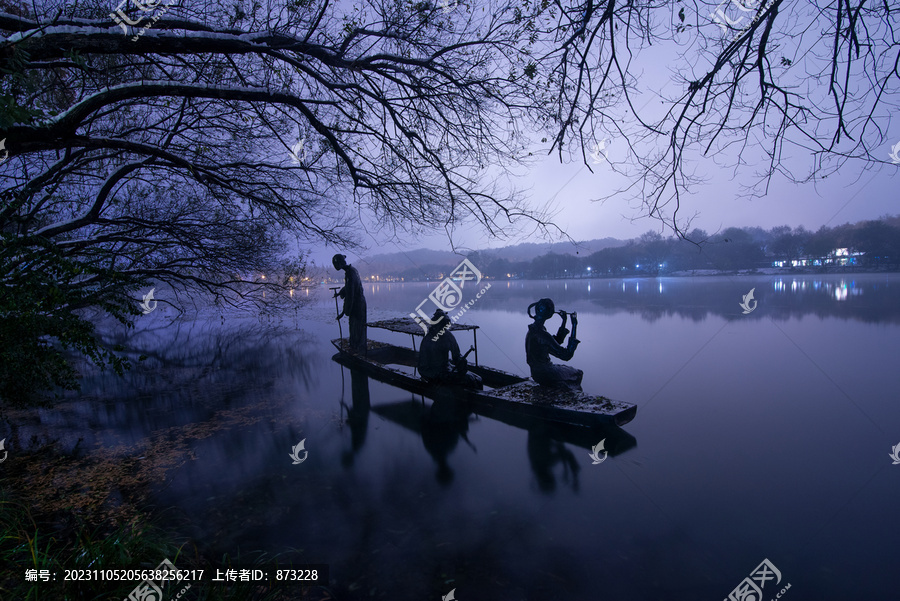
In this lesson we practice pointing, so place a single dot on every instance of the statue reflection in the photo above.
(544, 454)
(357, 415)
(441, 427)
(445, 423)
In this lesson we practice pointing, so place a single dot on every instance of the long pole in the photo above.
(337, 312)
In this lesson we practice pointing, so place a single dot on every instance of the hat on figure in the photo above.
(543, 309)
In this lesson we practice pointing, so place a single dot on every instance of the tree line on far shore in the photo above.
(866, 245)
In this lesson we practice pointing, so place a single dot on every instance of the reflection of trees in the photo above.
(193, 368)
(199, 348)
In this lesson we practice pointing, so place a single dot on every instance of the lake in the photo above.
(759, 436)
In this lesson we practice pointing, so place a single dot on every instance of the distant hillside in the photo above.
(529, 250)
(411, 259)
(422, 257)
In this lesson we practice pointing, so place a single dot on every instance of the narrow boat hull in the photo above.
(504, 392)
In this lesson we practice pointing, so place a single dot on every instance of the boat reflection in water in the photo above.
(443, 423)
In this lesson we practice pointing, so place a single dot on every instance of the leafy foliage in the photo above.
(42, 296)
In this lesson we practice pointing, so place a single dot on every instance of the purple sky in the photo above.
(856, 192)
(849, 196)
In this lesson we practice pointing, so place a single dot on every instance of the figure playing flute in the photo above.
(539, 345)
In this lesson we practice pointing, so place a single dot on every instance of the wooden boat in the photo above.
(503, 391)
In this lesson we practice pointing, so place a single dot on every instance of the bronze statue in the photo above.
(439, 357)
(539, 345)
(354, 303)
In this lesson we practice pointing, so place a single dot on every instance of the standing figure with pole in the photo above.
(354, 303)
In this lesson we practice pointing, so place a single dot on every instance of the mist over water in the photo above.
(763, 435)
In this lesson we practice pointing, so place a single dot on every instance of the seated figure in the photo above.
(539, 345)
(439, 357)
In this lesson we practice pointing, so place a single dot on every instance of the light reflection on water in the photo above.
(840, 289)
(722, 466)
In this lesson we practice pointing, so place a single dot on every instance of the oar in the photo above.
(462, 359)
(337, 313)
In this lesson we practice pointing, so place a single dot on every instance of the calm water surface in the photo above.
(757, 436)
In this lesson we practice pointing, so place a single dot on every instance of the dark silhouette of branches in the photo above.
(196, 145)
